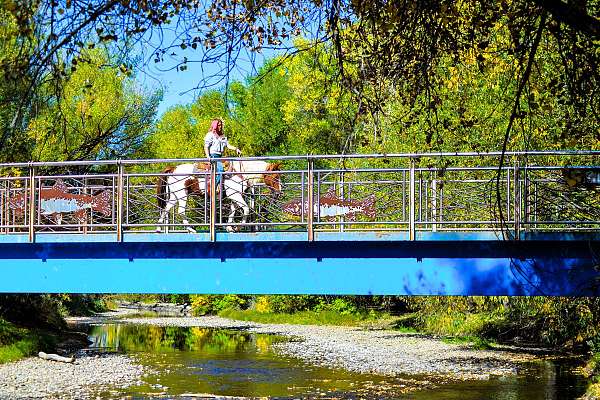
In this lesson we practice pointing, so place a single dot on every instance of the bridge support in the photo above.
(285, 263)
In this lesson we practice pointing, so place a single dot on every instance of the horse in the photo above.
(177, 183)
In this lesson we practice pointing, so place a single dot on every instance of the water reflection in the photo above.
(238, 363)
(149, 338)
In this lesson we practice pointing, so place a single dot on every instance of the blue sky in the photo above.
(178, 86)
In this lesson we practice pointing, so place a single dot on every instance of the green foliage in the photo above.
(212, 304)
(291, 304)
(551, 321)
(101, 113)
(43, 311)
(17, 343)
(179, 298)
(83, 304)
(341, 306)
(325, 317)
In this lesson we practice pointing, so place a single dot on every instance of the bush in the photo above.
(342, 306)
(212, 304)
(292, 304)
(263, 305)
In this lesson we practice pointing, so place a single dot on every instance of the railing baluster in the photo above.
(434, 213)
(525, 197)
(302, 196)
(119, 201)
(343, 197)
(32, 193)
(517, 201)
(412, 202)
(213, 200)
(311, 201)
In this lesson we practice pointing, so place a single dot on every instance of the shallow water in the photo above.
(238, 363)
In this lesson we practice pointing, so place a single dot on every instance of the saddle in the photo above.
(204, 166)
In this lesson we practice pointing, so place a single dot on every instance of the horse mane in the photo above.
(276, 166)
(271, 179)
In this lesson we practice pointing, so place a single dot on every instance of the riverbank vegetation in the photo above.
(35, 322)
(564, 324)
(17, 343)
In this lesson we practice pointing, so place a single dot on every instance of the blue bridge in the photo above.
(402, 224)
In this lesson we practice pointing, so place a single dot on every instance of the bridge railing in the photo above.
(412, 193)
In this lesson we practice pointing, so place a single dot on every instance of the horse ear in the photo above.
(330, 194)
(60, 185)
(275, 166)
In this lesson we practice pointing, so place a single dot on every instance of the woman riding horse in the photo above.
(214, 144)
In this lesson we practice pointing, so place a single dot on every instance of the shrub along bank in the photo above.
(557, 322)
(31, 323)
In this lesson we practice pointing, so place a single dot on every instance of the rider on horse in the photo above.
(214, 145)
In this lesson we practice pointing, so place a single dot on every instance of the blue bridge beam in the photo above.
(437, 264)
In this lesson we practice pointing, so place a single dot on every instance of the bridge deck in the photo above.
(382, 224)
(352, 263)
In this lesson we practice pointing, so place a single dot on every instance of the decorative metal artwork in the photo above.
(330, 206)
(56, 200)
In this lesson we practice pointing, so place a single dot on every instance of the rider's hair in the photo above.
(216, 126)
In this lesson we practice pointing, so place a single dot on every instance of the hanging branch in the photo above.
(513, 115)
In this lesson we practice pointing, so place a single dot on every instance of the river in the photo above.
(190, 361)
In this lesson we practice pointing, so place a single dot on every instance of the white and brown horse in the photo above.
(177, 183)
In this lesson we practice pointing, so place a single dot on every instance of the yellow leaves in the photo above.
(262, 304)
(200, 333)
(263, 344)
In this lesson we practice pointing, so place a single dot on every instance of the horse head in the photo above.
(272, 178)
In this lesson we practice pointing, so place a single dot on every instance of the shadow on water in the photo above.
(234, 363)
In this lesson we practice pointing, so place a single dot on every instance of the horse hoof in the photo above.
(191, 230)
(158, 230)
(230, 229)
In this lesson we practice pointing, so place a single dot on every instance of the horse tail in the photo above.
(161, 187)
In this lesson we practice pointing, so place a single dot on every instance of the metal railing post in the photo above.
(120, 184)
(525, 196)
(412, 202)
(311, 201)
(517, 201)
(434, 205)
(213, 201)
(32, 193)
(343, 197)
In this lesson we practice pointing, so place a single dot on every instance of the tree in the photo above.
(101, 114)
(373, 43)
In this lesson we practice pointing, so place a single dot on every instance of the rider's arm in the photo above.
(230, 147)
(207, 142)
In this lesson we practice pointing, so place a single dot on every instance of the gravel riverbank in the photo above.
(356, 349)
(34, 378)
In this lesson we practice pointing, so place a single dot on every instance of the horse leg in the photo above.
(230, 228)
(164, 213)
(238, 200)
(246, 212)
(182, 203)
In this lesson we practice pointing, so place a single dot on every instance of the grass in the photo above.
(297, 318)
(18, 350)
(455, 328)
(17, 343)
